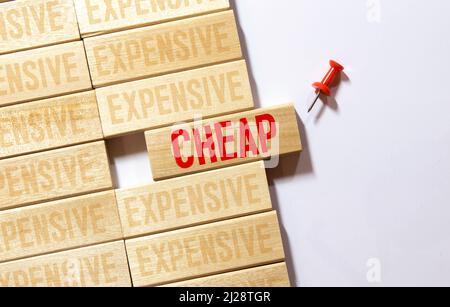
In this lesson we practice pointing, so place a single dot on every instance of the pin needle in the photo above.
(314, 103)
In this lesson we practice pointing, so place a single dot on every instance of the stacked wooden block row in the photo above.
(76, 72)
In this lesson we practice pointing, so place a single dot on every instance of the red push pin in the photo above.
(324, 86)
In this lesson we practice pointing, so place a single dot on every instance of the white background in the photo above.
(374, 178)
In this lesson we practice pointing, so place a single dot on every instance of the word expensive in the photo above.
(100, 265)
(104, 11)
(192, 200)
(54, 174)
(49, 123)
(97, 17)
(173, 97)
(27, 24)
(161, 101)
(160, 49)
(43, 72)
(62, 224)
(211, 196)
(42, 17)
(205, 250)
(169, 47)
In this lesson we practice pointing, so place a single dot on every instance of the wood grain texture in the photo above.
(205, 250)
(59, 225)
(49, 124)
(224, 141)
(43, 73)
(102, 265)
(26, 24)
(97, 17)
(180, 97)
(165, 48)
(194, 200)
(54, 174)
(274, 275)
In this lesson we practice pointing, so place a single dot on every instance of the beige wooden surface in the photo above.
(193, 200)
(59, 225)
(26, 24)
(274, 275)
(205, 250)
(97, 17)
(169, 47)
(96, 266)
(43, 73)
(54, 174)
(180, 97)
(48, 124)
(167, 162)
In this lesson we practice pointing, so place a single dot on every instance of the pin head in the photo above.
(336, 65)
(324, 86)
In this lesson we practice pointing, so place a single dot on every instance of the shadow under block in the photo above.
(205, 250)
(274, 275)
(223, 141)
(43, 73)
(54, 174)
(194, 200)
(164, 48)
(97, 17)
(48, 124)
(30, 24)
(59, 225)
(102, 265)
(180, 97)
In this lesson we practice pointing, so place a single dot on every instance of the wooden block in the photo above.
(205, 250)
(224, 141)
(96, 266)
(48, 124)
(194, 200)
(165, 48)
(55, 174)
(43, 73)
(27, 24)
(59, 225)
(274, 275)
(97, 17)
(181, 97)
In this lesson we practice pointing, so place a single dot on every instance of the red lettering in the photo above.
(177, 151)
(247, 141)
(224, 140)
(208, 144)
(266, 136)
(213, 142)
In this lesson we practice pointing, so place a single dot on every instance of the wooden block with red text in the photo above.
(274, 275)
(97, 17)
(194, 200)
(223, 141)
(53, 175)
(48, 124)
(205, 250)
(156, 50)
(102, 265)
(43, 73)
(26, 24)
(180, 97)
(59, 225)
